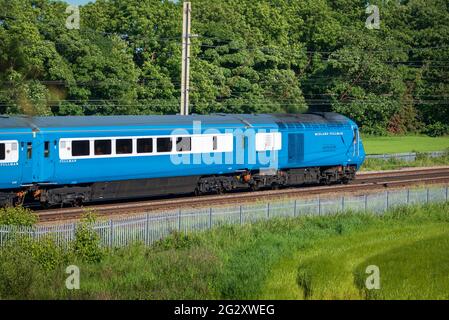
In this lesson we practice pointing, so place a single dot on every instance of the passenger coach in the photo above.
(71, 160)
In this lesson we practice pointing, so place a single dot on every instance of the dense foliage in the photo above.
(249, 56)
(17, 216)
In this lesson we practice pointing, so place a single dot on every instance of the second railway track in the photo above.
(364, 182)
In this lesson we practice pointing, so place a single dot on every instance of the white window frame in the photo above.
(201, 143)
(11, 156)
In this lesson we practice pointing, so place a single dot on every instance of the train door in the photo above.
(47, 152)
(27, 154)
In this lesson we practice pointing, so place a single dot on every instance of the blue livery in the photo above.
(63, 159)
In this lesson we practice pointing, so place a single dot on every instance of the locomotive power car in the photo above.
(74, 160)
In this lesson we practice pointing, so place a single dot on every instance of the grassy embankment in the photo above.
(406, 144)
(308, 257)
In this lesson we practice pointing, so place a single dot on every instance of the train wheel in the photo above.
(220, 190)
(255, 187)
(45, 205)
(78, 203)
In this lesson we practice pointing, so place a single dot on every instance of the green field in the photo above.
(404, 144)
(413, 264)
(302, 258)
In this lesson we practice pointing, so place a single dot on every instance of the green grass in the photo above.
(272, 259)
(393, 164)
(418, 270)
(404, 144)
(335, 268)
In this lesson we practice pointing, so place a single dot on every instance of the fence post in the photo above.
(319, 205)
(447, 192)
(111, 233)
(210, 218)
(241, 215)
(408, 196)
(342, 204)
(147, 230)
(388, 200)
(295, 207)
(268, 210)
(427, 195)
(366, 203)
(179, 220)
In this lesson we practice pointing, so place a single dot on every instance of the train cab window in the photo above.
(80, 148)
(164, 145)
(215, 143)
(2, 151)
(124, 146)
(29, 150)
(47, 149)
(144, 145)
(184, 144)
(103, 147)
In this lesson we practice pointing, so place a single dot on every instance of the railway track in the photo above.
(363, 183)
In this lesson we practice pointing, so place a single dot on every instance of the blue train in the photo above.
(74, 160)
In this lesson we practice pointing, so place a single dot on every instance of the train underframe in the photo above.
(49, 196)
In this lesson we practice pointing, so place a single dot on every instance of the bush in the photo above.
(30, 268)
(86, 245)
(46, 253)
(17, 216)
(18, 272)
(436, 129)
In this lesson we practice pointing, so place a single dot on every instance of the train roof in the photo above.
(37, 123)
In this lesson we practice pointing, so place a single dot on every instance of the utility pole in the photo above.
(186, 42)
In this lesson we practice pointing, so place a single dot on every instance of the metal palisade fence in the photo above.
(407, 157)
(149, 228)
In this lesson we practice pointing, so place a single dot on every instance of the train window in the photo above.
(2, 151)
(103, 147)
(215, 143)
(124, 146)
(29, 150)
(164, 145)
(184, 144)
(47, 149)
(80, 148)
(144, 145)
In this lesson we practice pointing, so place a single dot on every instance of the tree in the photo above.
(250, 57)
